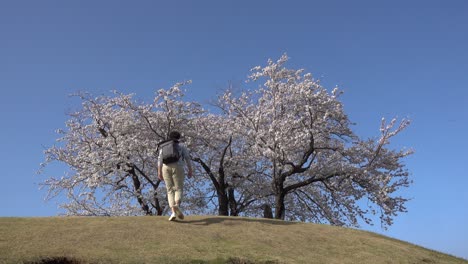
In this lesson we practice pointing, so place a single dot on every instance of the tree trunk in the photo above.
(267, 212)
(280, 208)
(157, 205)
(223, 203)
(280, 193)
(137, 186)
(233, 210)
(220, 186)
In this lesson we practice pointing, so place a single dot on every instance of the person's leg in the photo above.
(168, 176)
(178, 184)
(178, 177)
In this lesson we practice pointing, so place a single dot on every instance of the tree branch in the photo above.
(309, 181)
(209, 172)
(221, 164)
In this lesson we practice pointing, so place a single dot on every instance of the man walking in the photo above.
(171, 159)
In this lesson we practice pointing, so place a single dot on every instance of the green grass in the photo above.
(198, 239)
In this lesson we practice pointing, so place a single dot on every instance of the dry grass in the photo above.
(198, 239)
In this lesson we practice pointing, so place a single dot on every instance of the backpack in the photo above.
(170, 151)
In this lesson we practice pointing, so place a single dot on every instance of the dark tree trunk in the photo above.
(267, 212)
(157, 205)
(280, 193)
(280, 208)
(233, 209)
(223, 203)
(137, 186)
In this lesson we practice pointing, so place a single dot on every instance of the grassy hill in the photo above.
(198, 239)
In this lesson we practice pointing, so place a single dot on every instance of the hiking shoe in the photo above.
(172, 217)
(179, 213)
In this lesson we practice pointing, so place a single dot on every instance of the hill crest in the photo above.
(200, 239)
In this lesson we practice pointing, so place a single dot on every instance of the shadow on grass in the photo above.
(57, 260)
(219, 220)
(233, 261)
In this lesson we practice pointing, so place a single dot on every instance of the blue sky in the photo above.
(391, 58)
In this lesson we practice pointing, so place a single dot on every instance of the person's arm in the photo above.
(160, 175)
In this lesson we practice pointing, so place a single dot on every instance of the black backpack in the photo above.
(170, 151)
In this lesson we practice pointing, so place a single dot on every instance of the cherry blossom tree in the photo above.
(318, 169)
(111, 146)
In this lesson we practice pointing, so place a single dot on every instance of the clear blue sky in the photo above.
(392, 58)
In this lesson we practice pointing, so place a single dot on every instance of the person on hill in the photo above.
(171, 160)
